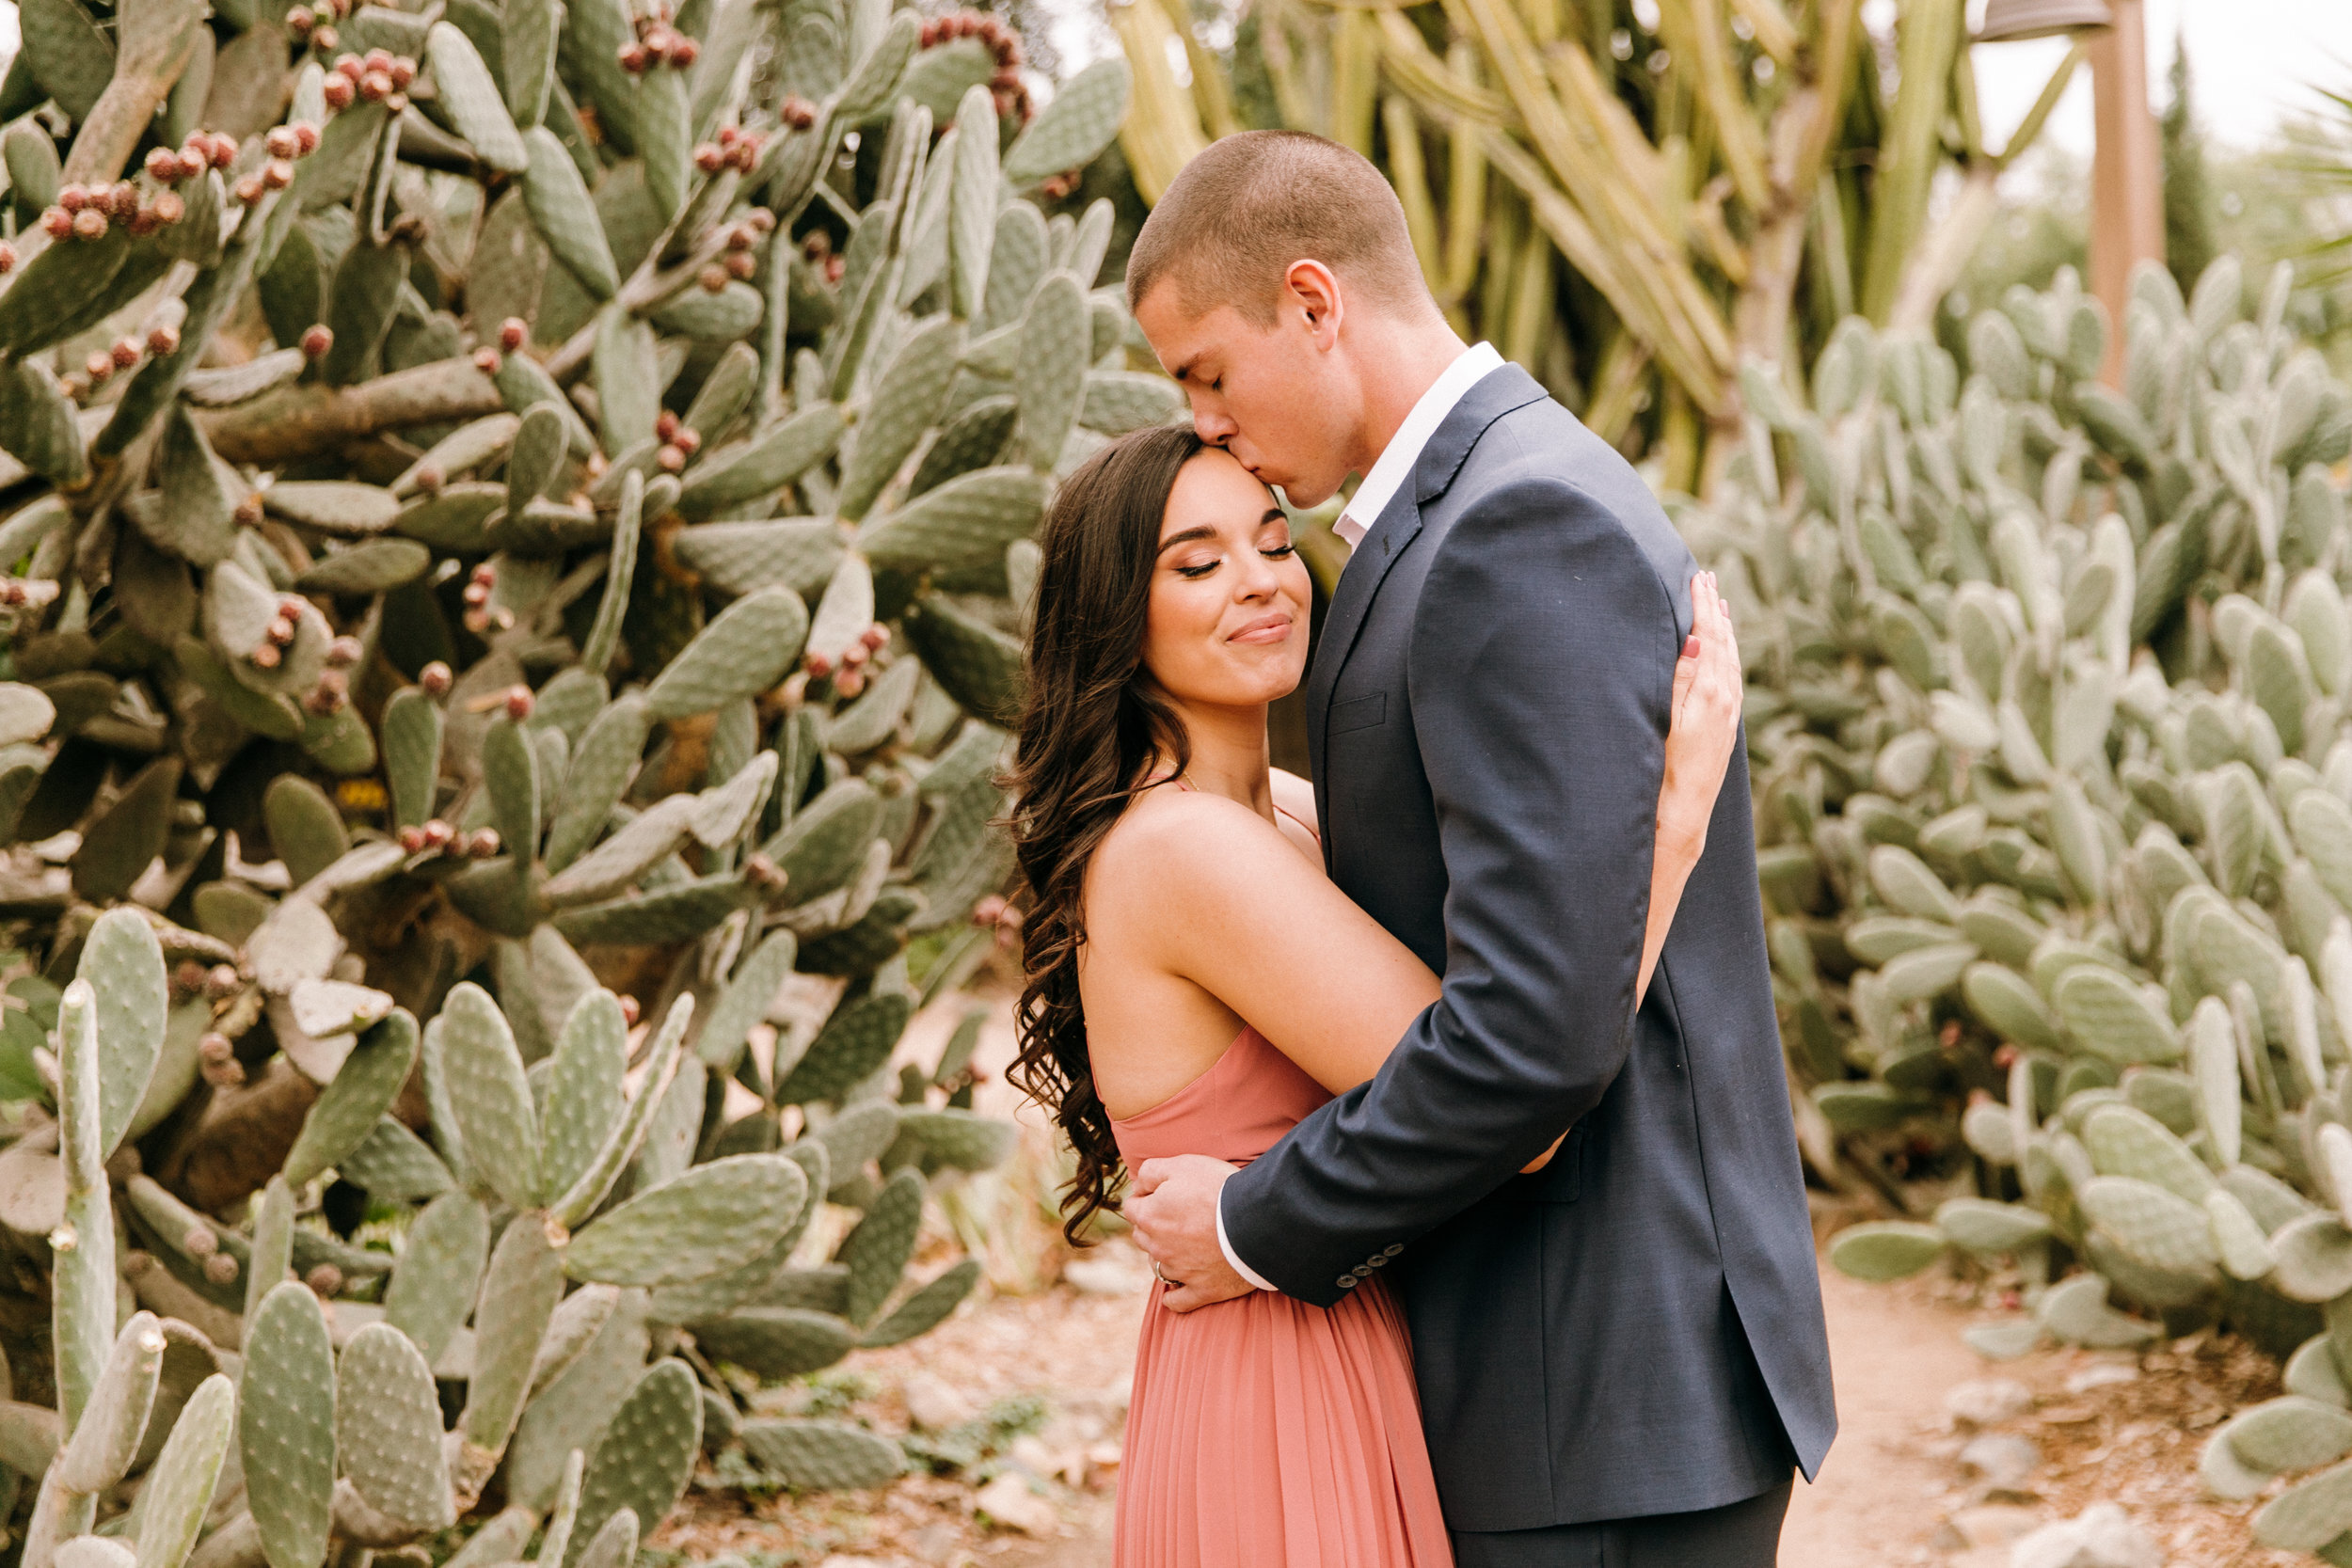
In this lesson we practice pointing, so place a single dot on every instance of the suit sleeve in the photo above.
(1541, 675)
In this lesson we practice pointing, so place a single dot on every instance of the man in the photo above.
(1622, 1355)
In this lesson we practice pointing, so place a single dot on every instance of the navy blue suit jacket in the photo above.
(1636, 1329)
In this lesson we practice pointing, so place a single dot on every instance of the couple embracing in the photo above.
(1449, 1085)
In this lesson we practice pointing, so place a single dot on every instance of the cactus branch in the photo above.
(309, 420)
(156, 39)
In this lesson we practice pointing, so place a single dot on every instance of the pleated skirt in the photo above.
(1263, 1432)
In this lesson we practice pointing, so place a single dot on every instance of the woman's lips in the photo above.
(1266, 628)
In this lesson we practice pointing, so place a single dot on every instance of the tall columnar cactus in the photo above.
(2054, 773)
(513, 516)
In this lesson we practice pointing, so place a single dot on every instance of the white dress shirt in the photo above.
(1394, 464)
(1390, 471)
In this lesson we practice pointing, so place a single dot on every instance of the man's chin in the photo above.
(1302, 495)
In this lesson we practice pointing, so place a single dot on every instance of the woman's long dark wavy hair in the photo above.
(1093, 728)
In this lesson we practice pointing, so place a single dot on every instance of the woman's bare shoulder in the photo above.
(1183, 848)
(1178, 833)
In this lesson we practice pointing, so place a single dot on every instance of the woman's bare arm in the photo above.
(1204, 889)
(1223, 900)
(1708, 689)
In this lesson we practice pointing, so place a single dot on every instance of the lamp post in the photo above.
(2128, 163)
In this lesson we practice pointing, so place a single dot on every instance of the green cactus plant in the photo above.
(502, 530)
(2053, 778)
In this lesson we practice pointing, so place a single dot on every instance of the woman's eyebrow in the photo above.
(1273, 514)
(1203, 532)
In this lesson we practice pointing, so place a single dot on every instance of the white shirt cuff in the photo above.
(1234, 1257)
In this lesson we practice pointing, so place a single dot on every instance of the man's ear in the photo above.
(1311, 297)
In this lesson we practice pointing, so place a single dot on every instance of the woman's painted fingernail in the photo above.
(1690, 647)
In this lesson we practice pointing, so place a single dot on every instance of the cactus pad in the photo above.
(823, 1453)
(387, 1429)
(715, 1217)
(646, 1455)
(286, 1427)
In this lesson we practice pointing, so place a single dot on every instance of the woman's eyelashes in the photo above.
(1282, 552)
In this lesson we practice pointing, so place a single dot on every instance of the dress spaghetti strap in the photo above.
(1302, 822)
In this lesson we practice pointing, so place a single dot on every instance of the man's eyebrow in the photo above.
(1205, 531)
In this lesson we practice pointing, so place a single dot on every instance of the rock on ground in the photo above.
(1008, 1501)
(2000, 1460)
(1985, 1401)
(2102, 1536)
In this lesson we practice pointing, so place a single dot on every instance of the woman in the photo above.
(1197, 985)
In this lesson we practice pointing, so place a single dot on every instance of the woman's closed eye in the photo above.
(1282, 552)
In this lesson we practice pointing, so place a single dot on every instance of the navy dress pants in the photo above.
(1744, 1534)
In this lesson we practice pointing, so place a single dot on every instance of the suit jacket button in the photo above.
(1378, 1262)
(1395, 1250)
(1348, 1282)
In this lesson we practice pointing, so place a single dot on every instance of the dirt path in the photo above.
(1022, 1399)
(2102, 1427)
(1894, 1352)
(1893, 1495)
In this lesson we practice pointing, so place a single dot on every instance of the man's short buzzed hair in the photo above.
(1252, 204)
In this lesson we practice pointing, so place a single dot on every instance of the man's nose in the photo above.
(1211, 423)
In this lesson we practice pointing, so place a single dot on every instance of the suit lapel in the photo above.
(1396, 527)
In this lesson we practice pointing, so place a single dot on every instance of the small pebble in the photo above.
(933, 1405)
(2103, 1374)
(1987, 1401)
(1008, 1501)
(1993, 1525)
(2102, 1536)
(2000, 1460)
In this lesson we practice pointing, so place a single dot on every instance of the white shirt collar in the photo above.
(1395, 462)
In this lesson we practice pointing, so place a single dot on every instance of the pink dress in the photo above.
(1265, 1432)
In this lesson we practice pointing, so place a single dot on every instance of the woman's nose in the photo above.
(1257, 580)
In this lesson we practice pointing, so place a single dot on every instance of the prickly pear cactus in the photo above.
(515, 517)
(2054, 780)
